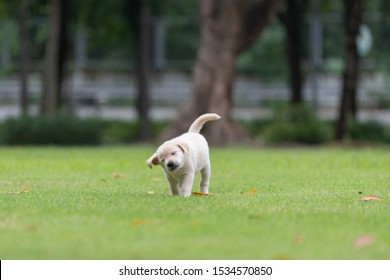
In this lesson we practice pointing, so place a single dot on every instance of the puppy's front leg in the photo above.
(173, 185)
(186, 185)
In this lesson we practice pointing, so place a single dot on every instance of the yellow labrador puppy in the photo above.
(184, 156)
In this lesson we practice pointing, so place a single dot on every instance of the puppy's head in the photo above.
(170, 155)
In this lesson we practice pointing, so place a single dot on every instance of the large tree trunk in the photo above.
(55, 55)
(293, 23)
(353, 13)
(24, 55)
(227, 29)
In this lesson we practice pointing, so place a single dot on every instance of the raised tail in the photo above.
(197, 125)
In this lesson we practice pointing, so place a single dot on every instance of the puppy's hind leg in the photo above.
(204, 182)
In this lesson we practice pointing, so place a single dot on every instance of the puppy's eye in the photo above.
(173, 153)
(162, 160)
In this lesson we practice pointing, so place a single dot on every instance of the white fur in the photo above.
(183, 157)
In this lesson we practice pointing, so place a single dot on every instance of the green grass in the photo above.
(306, 205)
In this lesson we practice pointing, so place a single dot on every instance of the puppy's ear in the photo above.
(153, 160)
(184, 147)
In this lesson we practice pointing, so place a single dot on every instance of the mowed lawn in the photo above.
(104, 203)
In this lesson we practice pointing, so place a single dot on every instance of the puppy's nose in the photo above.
(170, 164)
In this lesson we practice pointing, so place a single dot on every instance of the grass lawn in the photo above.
(104, 203)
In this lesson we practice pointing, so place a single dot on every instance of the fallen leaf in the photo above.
(140, 222)
(364, 241)
(31, 227)
(255, 216)
(250, 192)
(371, 197)
(298, 239)
(24, 190)
(201, 194)
(195, 223)
(118, 175)
(151, 192)
(283, 257)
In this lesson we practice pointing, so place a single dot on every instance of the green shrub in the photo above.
(158, 127)
(382, 99)
(68, 130)
(57, 130)
(370, 131)
(296, 124)
(256, 127)
(118, 132)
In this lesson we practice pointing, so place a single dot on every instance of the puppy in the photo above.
(184, 156)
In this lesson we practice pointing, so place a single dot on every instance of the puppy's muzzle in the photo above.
(171, 166)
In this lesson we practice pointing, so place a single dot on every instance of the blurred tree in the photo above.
(24, 32)
(143, 61)
(292, 19)
(353, 16)
(20, 10)
(112, 40)
(55, 56)
(140, 21)
(139, 14)
(255, 61)
(227, 29)
(182, 32)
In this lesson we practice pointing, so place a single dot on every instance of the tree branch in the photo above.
(257, 16)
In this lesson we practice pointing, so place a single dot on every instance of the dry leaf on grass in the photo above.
(255, 216)
(24, 190)
(151, 192)
(283, 257)
(31, 227)
(140, 222)
(364, 241)
(118, 175)
(371, 197)
(253, 191)
(195, 223)
(201, 194)
(298, 239)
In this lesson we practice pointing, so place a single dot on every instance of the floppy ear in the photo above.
(184, 147)
(153, 160)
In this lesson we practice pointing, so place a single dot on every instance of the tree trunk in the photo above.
(139, 18)
(55, 55)
(353, 13)
(24, 55)
(143, 72)
(293, 23)
(227, 29)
